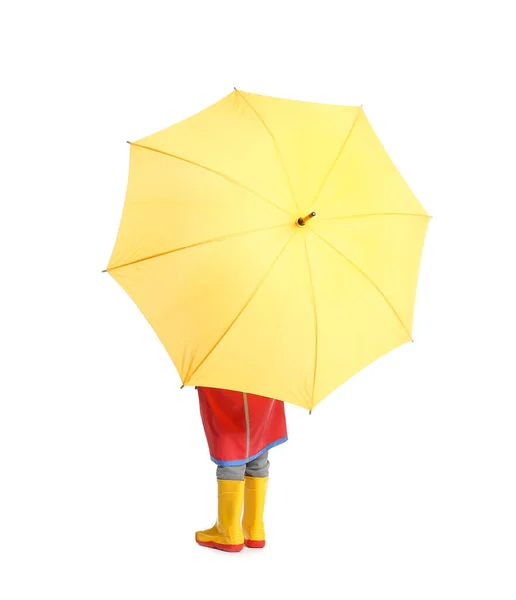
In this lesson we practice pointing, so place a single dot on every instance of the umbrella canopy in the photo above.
(271, 244)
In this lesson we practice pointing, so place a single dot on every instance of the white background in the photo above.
(402, 483)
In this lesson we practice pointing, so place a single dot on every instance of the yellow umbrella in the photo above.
(271, 244)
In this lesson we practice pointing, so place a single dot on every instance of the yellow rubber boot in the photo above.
(226, 534)
(254, 504)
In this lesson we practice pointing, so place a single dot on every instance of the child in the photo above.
(240, 429)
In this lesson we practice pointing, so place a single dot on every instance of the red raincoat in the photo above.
(238, 426)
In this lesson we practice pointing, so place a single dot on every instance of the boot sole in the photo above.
(223, 547)
(254, 543)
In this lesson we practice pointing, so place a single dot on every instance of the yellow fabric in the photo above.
(227, 531)
(243, 298)
(254, 504)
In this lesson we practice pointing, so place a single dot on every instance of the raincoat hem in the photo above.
(243, 461)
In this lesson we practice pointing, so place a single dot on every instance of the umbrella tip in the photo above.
(302, 221)
(104, 271)
(128, 143)
(182, 386)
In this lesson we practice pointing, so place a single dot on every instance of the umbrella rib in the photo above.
(366, 276)
(276, 147)
(323, 183)
(373, 215)
(215, 172)
(210, 241)
(255, 291)
(316, 321)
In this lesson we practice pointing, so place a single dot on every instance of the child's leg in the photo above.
(256, 478)
(231, 473)
(259, 467)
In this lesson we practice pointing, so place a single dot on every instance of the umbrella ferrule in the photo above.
(302, 221)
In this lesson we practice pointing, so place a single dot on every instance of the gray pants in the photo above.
(259, 467)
